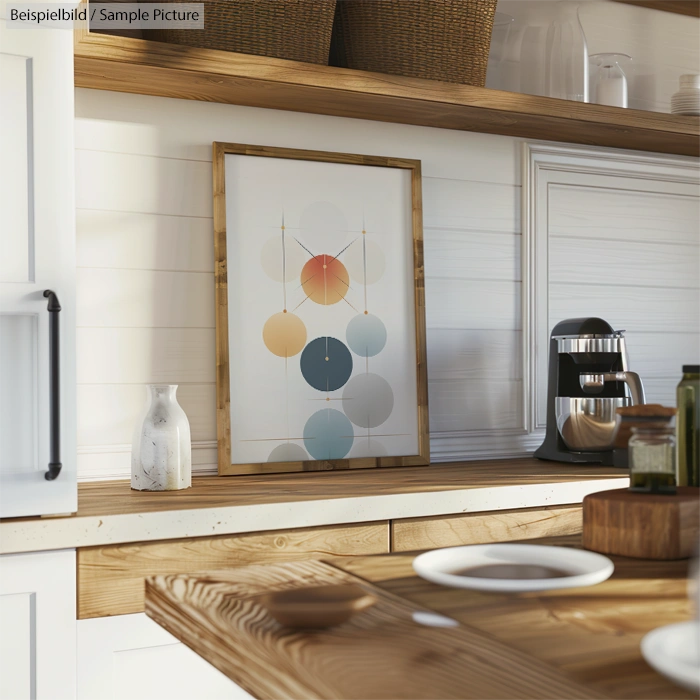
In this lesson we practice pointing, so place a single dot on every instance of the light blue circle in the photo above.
(328, 434)
(366, 335)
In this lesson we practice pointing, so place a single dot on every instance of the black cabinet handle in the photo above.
(54, 387)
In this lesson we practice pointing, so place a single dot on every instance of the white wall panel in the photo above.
(459, 303)
(663, 353)
(136, 183)
(157, 126)
(146, 355)
(472, 354)
(107, 413)
(473, 405)
(463, 254)
(144, 298)
(471, 205)
(121, 239)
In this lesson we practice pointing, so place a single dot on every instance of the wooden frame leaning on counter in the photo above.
(320, 311)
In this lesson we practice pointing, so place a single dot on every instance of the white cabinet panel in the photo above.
(614, 235)
(130, 656)
(17, 652)
(16, 185)
(37, 253)
(623, 264)
(38, 627)
(19, 379)
(624, 215)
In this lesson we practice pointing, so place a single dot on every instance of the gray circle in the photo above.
(288, 452)
(368, 400)
(367, 447)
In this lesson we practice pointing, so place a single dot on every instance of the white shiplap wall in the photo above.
(145, 276)
(145, 262)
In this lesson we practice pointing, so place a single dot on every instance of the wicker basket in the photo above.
(435, 39)
(298, 30)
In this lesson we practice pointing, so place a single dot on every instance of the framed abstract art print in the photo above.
(320, 320)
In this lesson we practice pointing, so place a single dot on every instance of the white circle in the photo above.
(280, 262)
(366, 265)
(323, 229)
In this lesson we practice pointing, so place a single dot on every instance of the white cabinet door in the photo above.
(37, 253)
(130, 656)
(37, 626)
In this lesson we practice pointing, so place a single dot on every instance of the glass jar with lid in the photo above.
(652, 458)
(688, 395)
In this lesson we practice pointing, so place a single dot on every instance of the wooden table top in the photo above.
(571, 643)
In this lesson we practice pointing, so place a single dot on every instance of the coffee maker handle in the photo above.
(593, 384)
(634, 382)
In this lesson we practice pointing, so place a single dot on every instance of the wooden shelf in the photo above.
(691, 8)
(153, 68)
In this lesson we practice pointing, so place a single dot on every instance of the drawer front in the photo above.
(110, 578)
(481, 528)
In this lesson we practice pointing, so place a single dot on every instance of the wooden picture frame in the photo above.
(223, 376)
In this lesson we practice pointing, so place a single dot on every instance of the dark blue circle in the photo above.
(326, 363)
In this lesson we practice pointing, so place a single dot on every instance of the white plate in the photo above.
(674, 651)
(454, 566)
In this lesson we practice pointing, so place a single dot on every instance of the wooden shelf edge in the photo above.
(154, 68)
(691, 8)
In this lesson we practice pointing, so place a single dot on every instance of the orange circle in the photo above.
(284, 334)
(325, 280)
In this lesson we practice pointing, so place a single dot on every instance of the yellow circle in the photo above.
(284, 334)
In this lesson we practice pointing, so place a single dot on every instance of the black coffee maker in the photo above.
(589, 379)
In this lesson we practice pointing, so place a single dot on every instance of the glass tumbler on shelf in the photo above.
(609, 80)
(566, 58)
(652, 458)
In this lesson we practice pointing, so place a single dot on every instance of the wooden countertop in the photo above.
(575, 643)
(109, 512)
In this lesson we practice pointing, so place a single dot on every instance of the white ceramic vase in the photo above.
(161, 451)
(687, 99)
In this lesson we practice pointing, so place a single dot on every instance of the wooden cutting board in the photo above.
(382, 652)
(641, 525)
